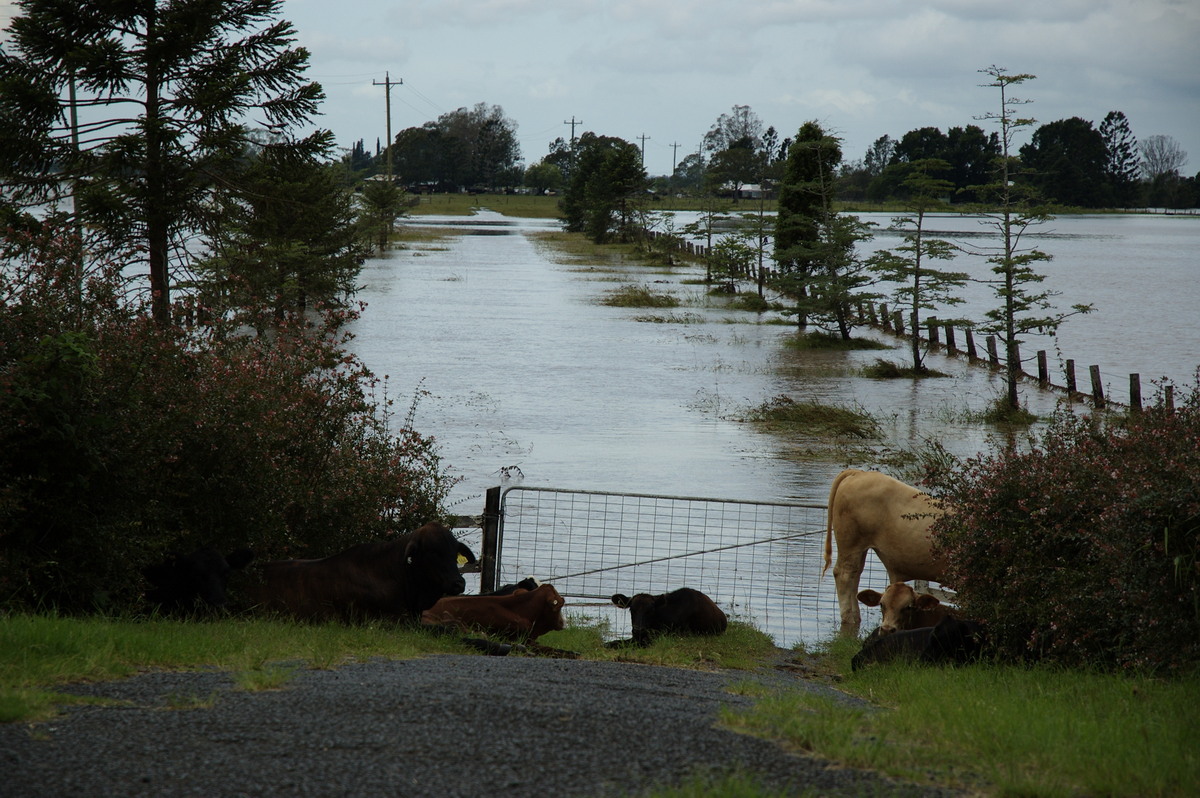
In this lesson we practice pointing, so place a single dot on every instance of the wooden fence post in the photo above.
(1070, 375)
(1169, 398)
(488, 555)
(885, 318)
(993, 358)
(898, 322)
(1135, 391)
(933, 331)
(1043, 368)
(951, 347)
(1016, 353)
(1097, 387)
(971, 353)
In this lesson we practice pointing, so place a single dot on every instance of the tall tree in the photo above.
(1065, 160)
(139, 108)
(729, 129)
(1161, 155)
(1121, 162)
(879, 155)
(814, 245)
(606, 183)
(919, 286)
(288, 240)
(1023, 307)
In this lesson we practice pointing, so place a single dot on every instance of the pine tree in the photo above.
(139, 110)
(1122, 163)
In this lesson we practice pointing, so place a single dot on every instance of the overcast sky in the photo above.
(667, 69)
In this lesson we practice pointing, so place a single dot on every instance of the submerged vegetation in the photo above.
(782, 413)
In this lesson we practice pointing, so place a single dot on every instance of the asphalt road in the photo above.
(447, 725)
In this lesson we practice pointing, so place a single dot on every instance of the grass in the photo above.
(784, 414)
(888, 370)
(999, 729)
(522, 205)
(826, 341)
(639, 296)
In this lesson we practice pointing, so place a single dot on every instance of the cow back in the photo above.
(682, 611)
(394, 579)
(522, 615)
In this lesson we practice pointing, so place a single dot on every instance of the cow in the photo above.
(903, 608)
(870, 510)
(952, 641)
(683, 611)
(394, 579)
(528, 583)
(523, 615)
(186, 583)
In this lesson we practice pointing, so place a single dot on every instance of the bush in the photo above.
(121, 440)
(1085, 549)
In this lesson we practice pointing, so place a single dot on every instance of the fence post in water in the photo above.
(933, 331)
(1043, 368)
(1169, 398)
(1097, 387)
(1135, 391)
(971, 353)
(993, 358)
(1016, 353)
(898, 322)
(951, 347)
(884, 317)
(1070, 374)
(488, 561)
(871, 314)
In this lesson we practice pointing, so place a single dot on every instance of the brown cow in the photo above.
(869, 510)
(903, 608)
(522, 615)
(393, 579)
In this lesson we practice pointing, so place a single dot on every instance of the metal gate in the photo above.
(761, 562)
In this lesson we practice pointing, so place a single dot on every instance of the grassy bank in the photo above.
(989, 729)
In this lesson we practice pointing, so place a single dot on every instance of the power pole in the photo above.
(387, 93)
(573, 123)
(675, 145)
(643, 137)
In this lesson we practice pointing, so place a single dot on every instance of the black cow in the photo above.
(394, 579)
(952, 641)
(528, 583)
(683, 611)
(188, 582)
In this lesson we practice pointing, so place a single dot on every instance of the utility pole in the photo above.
(573, 123)
(675, 145)
(643, 137)
(387, 93)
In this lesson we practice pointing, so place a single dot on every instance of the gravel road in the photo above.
(446, 725)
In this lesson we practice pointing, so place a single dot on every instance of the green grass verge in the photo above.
(999, 729)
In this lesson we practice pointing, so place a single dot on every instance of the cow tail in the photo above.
(829, 519)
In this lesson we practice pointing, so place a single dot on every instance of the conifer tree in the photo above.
(139, 109)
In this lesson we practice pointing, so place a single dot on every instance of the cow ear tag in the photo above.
(461, 560)
(408, 559)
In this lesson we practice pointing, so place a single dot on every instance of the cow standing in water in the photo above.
(872, 511)
(395, 579)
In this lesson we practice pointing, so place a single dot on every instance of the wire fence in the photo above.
(761, 562)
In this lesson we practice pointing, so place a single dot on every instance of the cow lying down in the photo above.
(516, 614)
(683, 611)
(952, 641)
(903, 608)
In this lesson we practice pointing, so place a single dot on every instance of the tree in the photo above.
(137, 110)
(1013, 265)
(543, 177)
(879, 155)
(474, 146)
(919, 286)
(1161, 155)
(814, 245)
(288, 240)
(1066, 160)
(606, 182)
(1121, 162)
(729, 129)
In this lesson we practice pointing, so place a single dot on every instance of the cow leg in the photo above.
(846, 574)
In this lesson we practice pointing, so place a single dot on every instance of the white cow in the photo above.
(869, 510)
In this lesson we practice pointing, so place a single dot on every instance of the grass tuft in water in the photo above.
(782, 413)
(639, 296)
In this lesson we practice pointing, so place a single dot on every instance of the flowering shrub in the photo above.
(121, 439)
(1085, 548)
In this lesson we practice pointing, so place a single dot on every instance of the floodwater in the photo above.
(525, 378)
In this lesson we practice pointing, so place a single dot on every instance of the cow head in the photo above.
(188, 582)
(431, 561)
(902, 607)
(643, 611)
